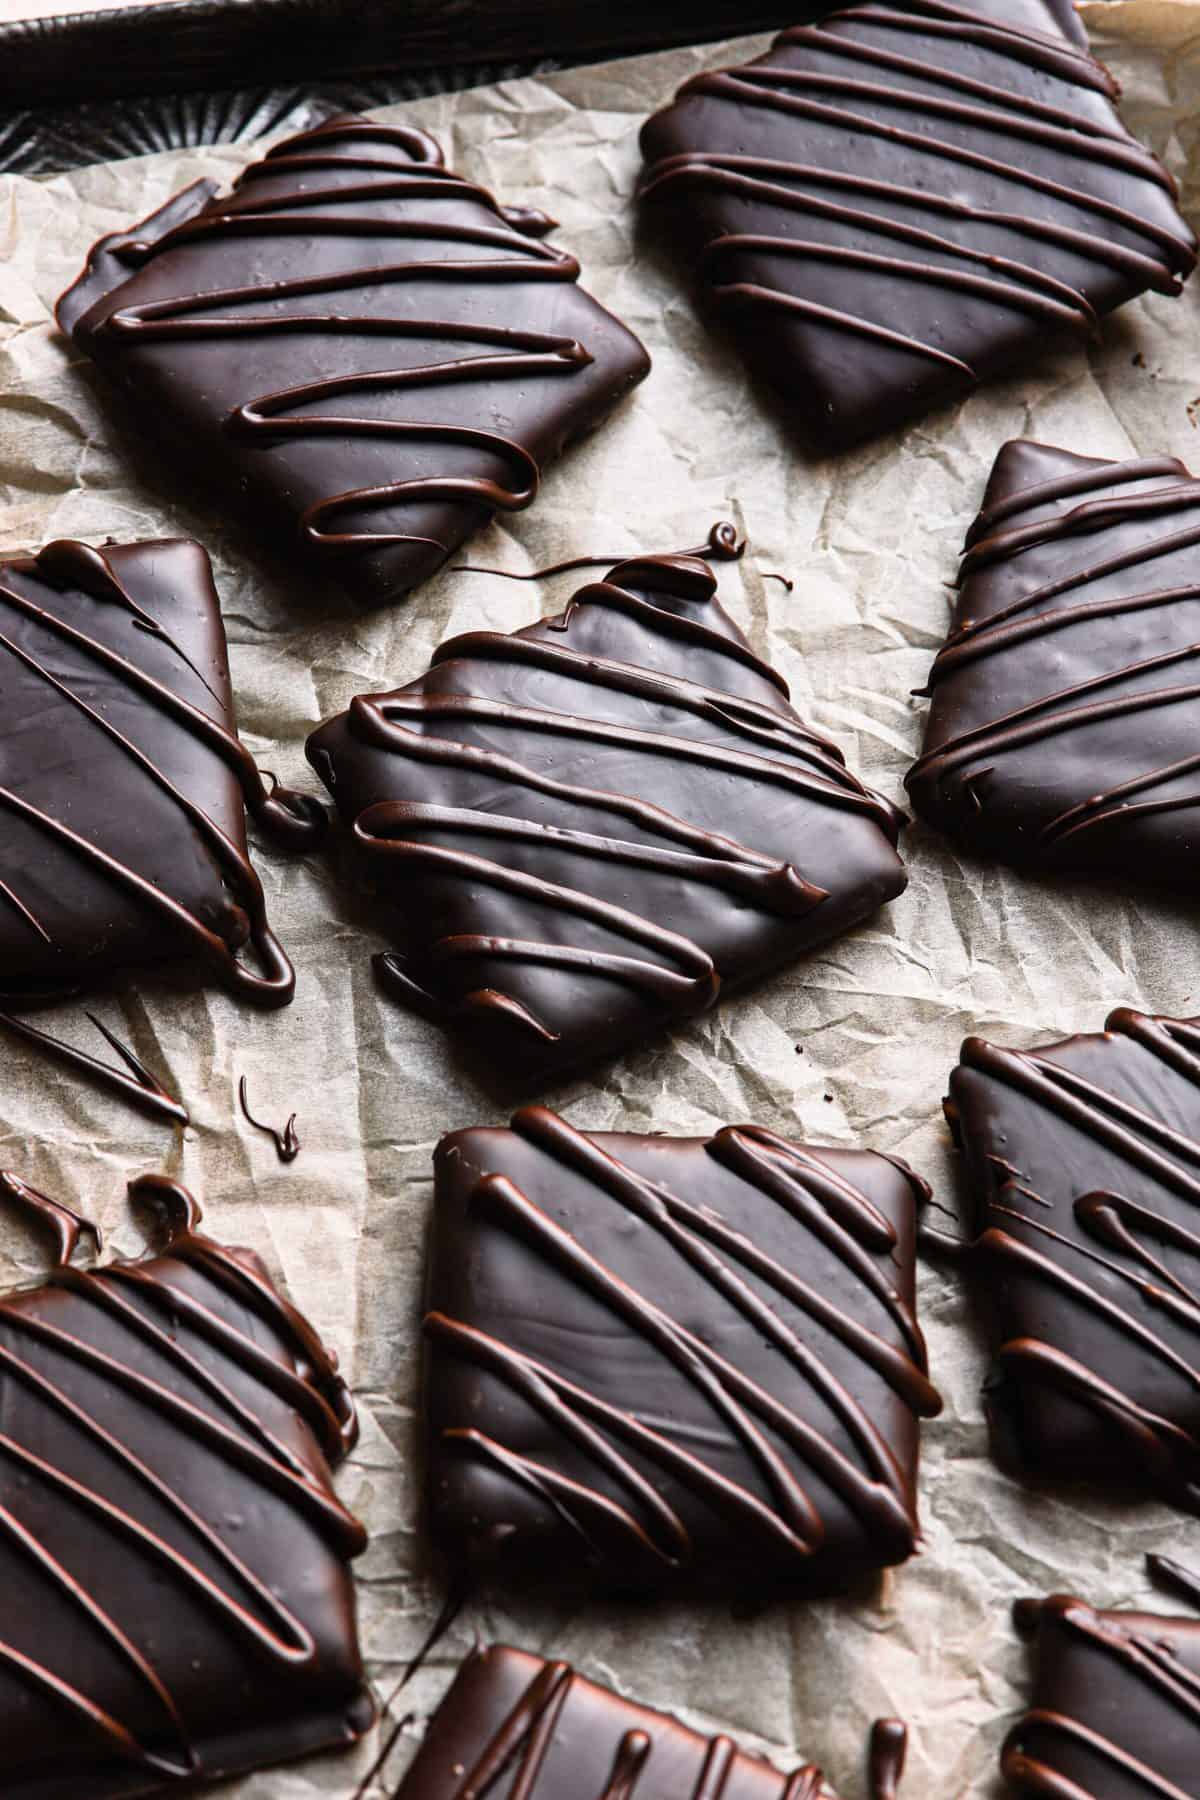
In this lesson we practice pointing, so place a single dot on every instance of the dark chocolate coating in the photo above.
(662, 1363)
(1083, 1160)
(177, 1601)
(516, 1728)
(362, 348)
(900, 201)
(123, 784)
(1116, 1706)
(589, 827)
(1066, 702)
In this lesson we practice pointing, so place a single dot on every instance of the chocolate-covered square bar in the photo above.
(359, 347)
(515, 1727)
(1083, 1163)
(900, 200)
(659, 1363)
(589, 828)
(174, 1564)
(1065, 713)
(123, 784)
(1116, 1702)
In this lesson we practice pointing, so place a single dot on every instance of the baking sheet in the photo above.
(852, 1047)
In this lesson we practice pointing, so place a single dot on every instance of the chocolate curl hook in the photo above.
(286, 1142)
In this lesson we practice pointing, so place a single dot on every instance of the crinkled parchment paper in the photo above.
(852, 1047)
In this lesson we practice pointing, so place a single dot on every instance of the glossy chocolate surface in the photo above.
(123, 784)
(174, 1564)
(1065, 709)
(899, 201)
(514, 1727)
(365, 351)
(1116, 1705)
(1083, 1160)
(657, 1363)
(591, 827)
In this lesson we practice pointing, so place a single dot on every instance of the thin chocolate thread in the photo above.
(721, 545)
(142, 1088)
(286, 1142)
(836, 1215)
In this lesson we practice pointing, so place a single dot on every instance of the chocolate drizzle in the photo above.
(87, 707)
(1014, 201)
(730, 1467)
(1086, 1163)
(539, 803)
(1075, 632)
(514, 1727)
(1117, 1705)
(401, 254)
(176, 1600)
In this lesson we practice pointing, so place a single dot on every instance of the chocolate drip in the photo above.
(558, 774)
(142, 1088)
(771, 172)
(1113, 1246)
(348, 191)
(1072, 574)
(191, 1348)
(287, 1142)
(171, 728)
(791, 1459)
(889, 1748)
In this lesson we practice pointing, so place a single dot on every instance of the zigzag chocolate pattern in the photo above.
(354, 182)
(543, 808)
(1126, 1688)
(522, 1750)
(1002, 214)
(1101, 1219)
(176, 1605)
(63, 687)
(1065, 704)
(774, 1425)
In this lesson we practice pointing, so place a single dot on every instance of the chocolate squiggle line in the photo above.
(836, 1215)
(829, 99)
(512, 354)
(1148, 1663)
(293, 819)
(996, 540)
(251, 1612)
(1170, 1451)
